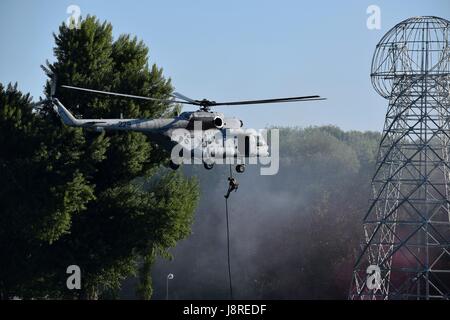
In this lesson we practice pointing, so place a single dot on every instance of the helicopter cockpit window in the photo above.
(185, 115)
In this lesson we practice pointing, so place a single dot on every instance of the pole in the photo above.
(169, 277)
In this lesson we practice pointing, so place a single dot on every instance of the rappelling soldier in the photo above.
(233, 186)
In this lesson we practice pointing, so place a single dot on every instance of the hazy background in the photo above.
(293, 235)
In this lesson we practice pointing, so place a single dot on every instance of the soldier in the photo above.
(233, 185)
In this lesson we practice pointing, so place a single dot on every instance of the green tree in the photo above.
(97, 200)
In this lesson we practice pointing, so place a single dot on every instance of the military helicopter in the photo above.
(169, 132)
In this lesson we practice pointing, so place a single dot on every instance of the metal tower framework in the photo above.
(407, 225)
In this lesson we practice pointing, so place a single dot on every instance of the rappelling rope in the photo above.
(228, 242)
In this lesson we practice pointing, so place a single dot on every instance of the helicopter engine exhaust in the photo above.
(218, 122)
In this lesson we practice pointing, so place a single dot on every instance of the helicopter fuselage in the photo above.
(198, 134)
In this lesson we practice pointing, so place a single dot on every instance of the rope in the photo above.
(228, 243)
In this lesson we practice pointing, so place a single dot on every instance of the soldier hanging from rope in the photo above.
(232, 186)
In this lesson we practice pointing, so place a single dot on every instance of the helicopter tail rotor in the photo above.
(52, 77)
(53, 82)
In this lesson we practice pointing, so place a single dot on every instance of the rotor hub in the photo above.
(205, 104)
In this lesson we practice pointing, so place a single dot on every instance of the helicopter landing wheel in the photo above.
(173, 165)
(240, 168)
(208, 166)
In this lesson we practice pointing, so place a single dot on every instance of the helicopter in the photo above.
(215, 128)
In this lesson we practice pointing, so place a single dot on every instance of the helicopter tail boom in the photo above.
(65, 115)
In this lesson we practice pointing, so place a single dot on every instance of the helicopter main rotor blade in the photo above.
(202, 103)
(277, 100)
(183, 97)
(125, 95)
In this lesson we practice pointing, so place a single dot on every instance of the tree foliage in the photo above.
(97, 200)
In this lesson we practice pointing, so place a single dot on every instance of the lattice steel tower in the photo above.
(407, 225)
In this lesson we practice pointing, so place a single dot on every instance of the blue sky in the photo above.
(231, 49)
